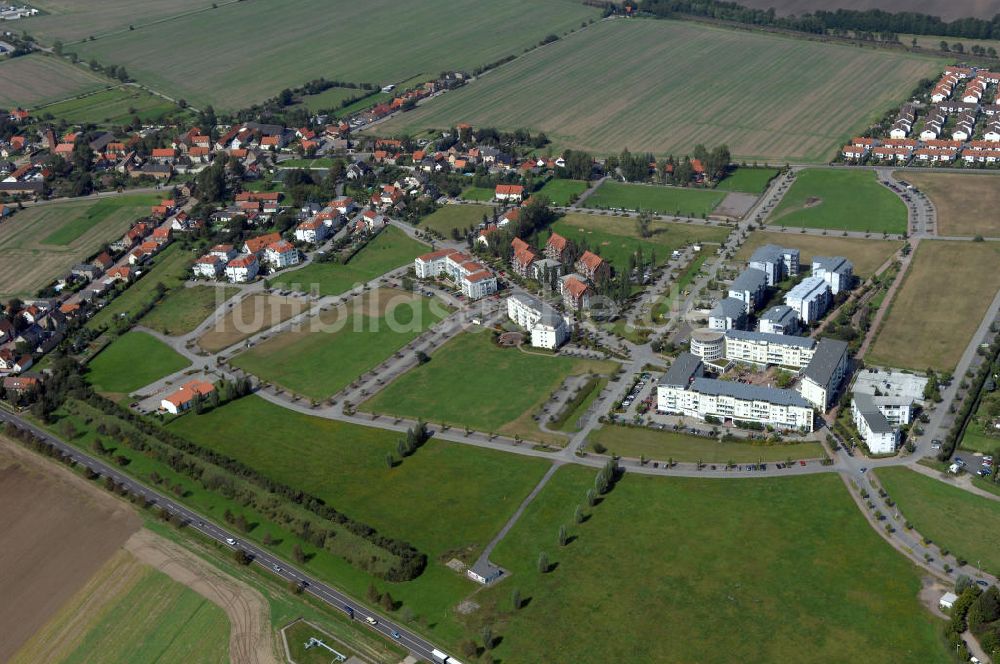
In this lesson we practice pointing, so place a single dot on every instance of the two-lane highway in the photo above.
(336, 599)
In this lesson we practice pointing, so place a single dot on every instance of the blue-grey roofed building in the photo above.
(781, 319)
(775, 262)
(749, 288)
(729, 314)
(746, 392)
(684, 369)
(824, 373)
(836, 271)
(810, 298)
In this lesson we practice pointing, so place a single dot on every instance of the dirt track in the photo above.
(56, 532)
(251, 637)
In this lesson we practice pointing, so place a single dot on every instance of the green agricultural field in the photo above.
(866, 255)
(562, 192)
(184, 309)
(111, 107)
(40, 79)
(340, 345)
(41, 243)
(329, 99)
(932, 319)
(69, 20)
(951, 517)
(767, 97)
(344, 464)
(261, 47)
(616, 238)
(389, 250)
(450, 217)
(748, 180)
(653, 198)
(429, 391)
(662, 446)
(843, 200)
(481, 194)
(170, 268)
(131, 362)
(685, 570)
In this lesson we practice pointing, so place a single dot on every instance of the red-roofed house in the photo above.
(242, 269)
(281, 254)
(575, 293)
(509, 192)
(557, 248)
(313, 230)
(592, 266)
(256, 245)
(186, 395)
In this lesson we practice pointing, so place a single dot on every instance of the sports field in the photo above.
(685, 570)
(38, 79)
(390, 249)
(132, 361)
(562, 192)
(941, 303)
(661, 200)
(41, 243)
(844, 200)
(261, 47)
(665, 445)
(748, 180)
(966, 204)
(184, 309)
(616, 238)
(867, 255)
(420, 501)
(115, 106)
(248, 317)
(949, 516)
(453, 387)
(338, 346)
(766, 97)
(460, 217)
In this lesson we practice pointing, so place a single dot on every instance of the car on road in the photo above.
(231, 542)
(935, 444)
(984, 584)
(277, 568)
(863, 470)
(371, 620)
(395, 634)
(802, 462)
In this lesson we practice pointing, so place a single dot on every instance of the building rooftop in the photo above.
(837, 264)
(873, 416)
(891, 384)
(684, 368)
(728, 307)
(808, 288)
(750, 279)
(828, 356)
(766, 337)
(749, 392)
(771, 253)
(781, 313)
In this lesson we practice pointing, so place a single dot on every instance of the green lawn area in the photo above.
(132, 361)
(157, 620)
(344, 464)
(571, 421)
(975, 437)
(297, 635)
(953, 518)
(320, 362)
(319, 162)
(850, 200)
(449, 217)
(390, 249)
(659, 445)
(748, 180)
(184, 309)
(697, 570)
(115, 106)
(136, 204)
(329, 100)
(653, 198)
(483, 194)
(456, 386)
(616, 238)
(562, 192)
(170, 268)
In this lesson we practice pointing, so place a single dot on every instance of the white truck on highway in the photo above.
(442, 658)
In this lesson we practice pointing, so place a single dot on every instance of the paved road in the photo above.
(280, 568)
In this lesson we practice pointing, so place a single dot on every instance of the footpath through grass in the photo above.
(956, 520)
(132, 361)
(686, 570)
(390, 249)
(840, 199)
(653, 444)
(679, 201)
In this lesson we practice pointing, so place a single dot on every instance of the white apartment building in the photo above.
(313, 231)
(281, 254)
(749, 288)
(775, 262)
(729, 314)
(821, 377)
(879, 434)
(242, 269)
(810, 298)
(209, 266)
(781, 319)
(472, 277)
(762, 348)
(548, 329)
(836, 271)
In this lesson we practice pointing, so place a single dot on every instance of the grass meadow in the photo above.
(682, 570)
(69, 21)
(767, 97)
(249, 316)
(665, 445)
(110, 107)
(616, 238)
(390, 249)
(40, 244)
(866, 255)
(953, 518)
(354, 338)
(40, 79)
(931, 319)
(184, 309)
(653, 198)
(453, 387)
(479, 194)
(132, 361)
(562, 192)
(450, 217)
(843, 200)
(261, 47)
(966, 203)
(748, 180)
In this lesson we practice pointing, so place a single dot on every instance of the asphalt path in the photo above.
(280, 568)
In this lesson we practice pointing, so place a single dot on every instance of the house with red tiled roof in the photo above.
(557, 248)
(256, 245)
(575, 292)
(186, 396)
(121, 273)
(522, 259)
(509, 192)
(21, 384)
(592, 266)
(163, 155)
(242, 269)
(64, 149)
(281, 254)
